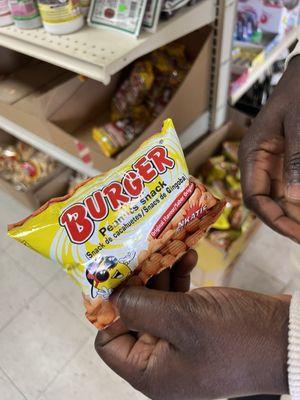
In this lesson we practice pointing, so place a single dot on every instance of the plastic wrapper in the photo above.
(152, 14)
(133, 90)
(124, 226)
(24, 166)
(124, 16)
(222, 176)
(142, 96)
(231, 150)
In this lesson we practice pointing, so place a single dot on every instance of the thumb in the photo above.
(292, 158)
(155, 312)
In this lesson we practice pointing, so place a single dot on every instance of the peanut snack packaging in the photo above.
(124, 226)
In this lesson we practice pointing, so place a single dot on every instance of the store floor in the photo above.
(46, 346)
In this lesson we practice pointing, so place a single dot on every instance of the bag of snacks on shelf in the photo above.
(24, 166)
(125, 16)
(124, 226)
(152, 14)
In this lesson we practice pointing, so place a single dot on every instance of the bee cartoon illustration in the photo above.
(107, 272)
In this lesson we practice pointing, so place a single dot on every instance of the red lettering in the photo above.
(96, 206)
(159, 157)
(77, 224)
(145, 169)
(115, 195)
(133, 184)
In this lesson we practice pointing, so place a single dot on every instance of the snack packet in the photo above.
(124, 226)
(122, 15)
(152, 14)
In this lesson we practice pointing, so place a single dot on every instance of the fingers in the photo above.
(176, 279)
(160, 281)
(292, 154)
(116, 354)
(157, 313)
(181, 272)
(273, 215)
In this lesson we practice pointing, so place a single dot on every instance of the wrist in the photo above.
(272, 376)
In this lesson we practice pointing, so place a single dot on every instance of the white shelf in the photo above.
(257, 72)
(100, 53)
(40, 143)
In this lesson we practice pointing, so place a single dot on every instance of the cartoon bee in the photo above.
(106, 273)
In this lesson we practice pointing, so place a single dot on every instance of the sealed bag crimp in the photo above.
(123, 226)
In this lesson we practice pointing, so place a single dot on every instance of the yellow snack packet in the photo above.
(125, 225)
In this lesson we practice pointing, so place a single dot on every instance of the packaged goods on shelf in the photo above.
(48, 107)
(61, 17)
(152, 15)
(170, 7)
(24, 166)
(84, 7)
(266, 15)
(125, 16)
(142, 96)
(222, 175)
(216, 157)
(125, 226)
(5, 15)
(25, 13)
(30, 176)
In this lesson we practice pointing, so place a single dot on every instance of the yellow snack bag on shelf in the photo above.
(124, 226)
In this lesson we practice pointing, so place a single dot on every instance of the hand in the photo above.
(209, 343)
(270, 158)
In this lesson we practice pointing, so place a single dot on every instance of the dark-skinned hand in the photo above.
(209, 343)
(270, 158)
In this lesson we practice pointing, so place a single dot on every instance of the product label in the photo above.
(84, 3)
(112, 218)
(152, 14)
(123, 15)
(23, 10)
(172, 5)
(4, 10)
(59, 11)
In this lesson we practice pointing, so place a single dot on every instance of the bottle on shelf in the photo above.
(25, 14)
(61, 17)
(5, 15)
(85, 7)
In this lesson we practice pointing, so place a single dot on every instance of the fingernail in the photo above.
(293, 191)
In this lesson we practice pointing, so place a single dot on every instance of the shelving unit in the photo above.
(100, 53)
(258, 71)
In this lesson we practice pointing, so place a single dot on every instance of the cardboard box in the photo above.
(213, 263)
(72, 123)
(26, 80)
(54, 185)
(11, 60)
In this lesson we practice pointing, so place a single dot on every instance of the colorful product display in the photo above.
(222, 176)
(142, 96)
(122, 15)
(5, 15)
(124, 226)
(271, 16)
(25, 14)
(152, 14)
(23, 166)
(61, 17)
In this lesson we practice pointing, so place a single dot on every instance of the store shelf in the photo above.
(258, 71)
(27, 136)
(100, 53)
(43, 135)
